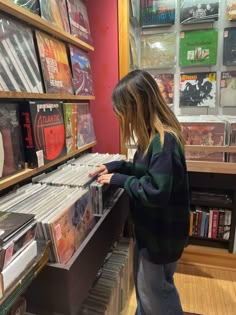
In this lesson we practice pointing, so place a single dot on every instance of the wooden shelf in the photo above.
(27, 173)
(39, 23)
(211, 167)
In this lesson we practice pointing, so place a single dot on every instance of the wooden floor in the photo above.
(203, 290)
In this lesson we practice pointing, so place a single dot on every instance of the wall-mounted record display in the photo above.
(229, 48)
(31, 5)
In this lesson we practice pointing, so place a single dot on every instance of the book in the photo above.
(81, 69)
(198, 47)
(228, 88)
(12, 157)
(43, 132)
(229, 46)
(157, 12)
(55, 12)
(85, 130)
(70, 117)
(198, 89)
(19, 70)
(158, 50)
(79, 21)
(55, 64)
(200, 11)
(165, 82)
(31, 5)
(231, 10)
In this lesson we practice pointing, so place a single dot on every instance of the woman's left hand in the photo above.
(105, 178)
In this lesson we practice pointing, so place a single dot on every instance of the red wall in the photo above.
(103, 18)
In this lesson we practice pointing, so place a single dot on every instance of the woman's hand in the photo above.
(105, 178)
(101, 170)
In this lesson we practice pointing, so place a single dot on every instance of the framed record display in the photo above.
(79, 22)
(165, 82)
(229, 48)
(55, 12)
(55, 64)
(85, 130)
(70, 117)
(31, 5)
(231, 10)
(19, 69)
(82, 76)
(228, 88)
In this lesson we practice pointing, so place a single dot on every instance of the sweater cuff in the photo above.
(119, 180)
(113, 166)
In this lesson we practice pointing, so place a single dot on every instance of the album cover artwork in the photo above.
(55, 64)
(43, 132)
(157, 12)
(19, 69)
(79, 22)
(85, 130)
(158, 50)
(198, 47)
(81, 69)
(70, 117)
(11, 142)
(198, 89)
(201, 11)
(55, 12)
(231, 10)
(229, 47)
(165, 82)
(31, 5)
(228, 88)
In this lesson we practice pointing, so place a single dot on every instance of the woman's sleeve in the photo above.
(122, 167)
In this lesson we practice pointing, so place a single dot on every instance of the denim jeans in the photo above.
(155, 289)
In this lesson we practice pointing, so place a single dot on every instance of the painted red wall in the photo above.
(103, 18)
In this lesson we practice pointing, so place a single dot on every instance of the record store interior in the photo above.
(97, 214)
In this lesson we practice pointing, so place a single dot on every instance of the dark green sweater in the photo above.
(157, 185)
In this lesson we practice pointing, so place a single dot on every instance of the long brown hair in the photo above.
(142, 111)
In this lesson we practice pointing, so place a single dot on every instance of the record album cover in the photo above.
(81, 69)
(158, 50)
(79, 22)
(55, 12)
(198, 89)
(70, 117)
(157, 12)
(228, 88)
(201, 11)
(231, 10)
(198, 47)
(85, 130)
(11, 143)
(43, 132)
(55, 65)
(165, 82)
(31, 5)
(19, 69)
(229, 47)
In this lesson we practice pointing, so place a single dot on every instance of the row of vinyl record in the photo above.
(60, 203)
(110, 292)
(39, 132)
(160, 13)
(68, 15)
(196, 48)
(36, 62)
(210, 223)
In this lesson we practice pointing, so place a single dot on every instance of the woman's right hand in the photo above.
(101, 170)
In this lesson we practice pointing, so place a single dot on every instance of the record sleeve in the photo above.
(198, 89)
(70, 117)
(43, 132)
(231, 10)
(79, 22)
(165, 82)
(81, 69)
(55, 65)
(158, 50)
(85, 130)
(55, 12)
(31, 5)
(157, 12)
(19, 70)
(198, 11)
(198, 47)
(229, 47)
(228, 88)
(11, 142)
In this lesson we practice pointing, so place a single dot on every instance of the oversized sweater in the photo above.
(157, 185)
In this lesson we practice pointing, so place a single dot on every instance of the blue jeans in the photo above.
(155, 289)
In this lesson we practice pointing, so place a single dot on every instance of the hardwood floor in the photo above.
(203, 290)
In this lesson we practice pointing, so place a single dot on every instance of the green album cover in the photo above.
(198, 48)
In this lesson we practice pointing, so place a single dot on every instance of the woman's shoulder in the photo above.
(170, 143)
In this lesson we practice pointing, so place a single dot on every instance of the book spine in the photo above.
(215, 217)
(210, 223)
